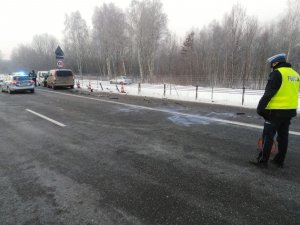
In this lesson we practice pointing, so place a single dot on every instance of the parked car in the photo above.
(60, 78)
(41, 78)
(120, 80)
(17, 82)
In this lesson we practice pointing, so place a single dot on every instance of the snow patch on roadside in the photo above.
(189, 120)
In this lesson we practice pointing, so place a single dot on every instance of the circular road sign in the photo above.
(60, 63)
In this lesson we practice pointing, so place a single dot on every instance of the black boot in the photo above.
(277, 163)
(260, 164)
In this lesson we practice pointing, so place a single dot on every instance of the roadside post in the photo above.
(196, 92)
(139, 89)
(243, 96)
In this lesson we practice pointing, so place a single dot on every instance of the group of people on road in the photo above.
(277, 106)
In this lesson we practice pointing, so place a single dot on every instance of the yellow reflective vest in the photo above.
(287, 95)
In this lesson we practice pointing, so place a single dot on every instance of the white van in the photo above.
(41, 78)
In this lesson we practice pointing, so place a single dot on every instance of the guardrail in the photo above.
(240, 97)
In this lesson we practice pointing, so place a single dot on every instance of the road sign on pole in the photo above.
(59, 53)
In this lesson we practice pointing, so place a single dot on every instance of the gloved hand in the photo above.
(265, 113)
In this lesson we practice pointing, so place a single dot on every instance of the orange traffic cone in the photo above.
(78, 84)
(90, 87)
(260, 145)
(122, 88)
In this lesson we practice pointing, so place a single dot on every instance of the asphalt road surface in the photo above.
(72, 159)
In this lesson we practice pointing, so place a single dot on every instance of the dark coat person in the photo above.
(277, 106)
(33, 77)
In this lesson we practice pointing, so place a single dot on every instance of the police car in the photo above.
(17, 82)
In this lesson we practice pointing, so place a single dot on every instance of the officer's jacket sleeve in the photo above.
(273, 85)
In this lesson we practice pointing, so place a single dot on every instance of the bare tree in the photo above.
(76, 38)
(187, 53)
(109, 32)
(1, 63)
(251, 31)
(167, 60)
(44, 46)
(216, 53)
(234, 27)
(22, 58)
(148, 24)
(292, 25)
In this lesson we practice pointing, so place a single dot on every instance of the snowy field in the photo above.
(224, 96)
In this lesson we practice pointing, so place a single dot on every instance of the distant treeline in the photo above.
(227, 53)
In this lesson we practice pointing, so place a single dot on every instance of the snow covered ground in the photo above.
(224, 96)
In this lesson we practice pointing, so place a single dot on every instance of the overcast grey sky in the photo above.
(21, 19)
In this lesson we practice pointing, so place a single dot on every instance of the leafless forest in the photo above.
(137, 42)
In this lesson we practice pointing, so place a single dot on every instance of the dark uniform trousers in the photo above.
(281, 126)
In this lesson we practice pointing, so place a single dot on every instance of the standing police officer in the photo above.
(277, 106)
(33, 77)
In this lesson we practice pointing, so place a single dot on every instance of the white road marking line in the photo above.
(46, 118)
(171, 112)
